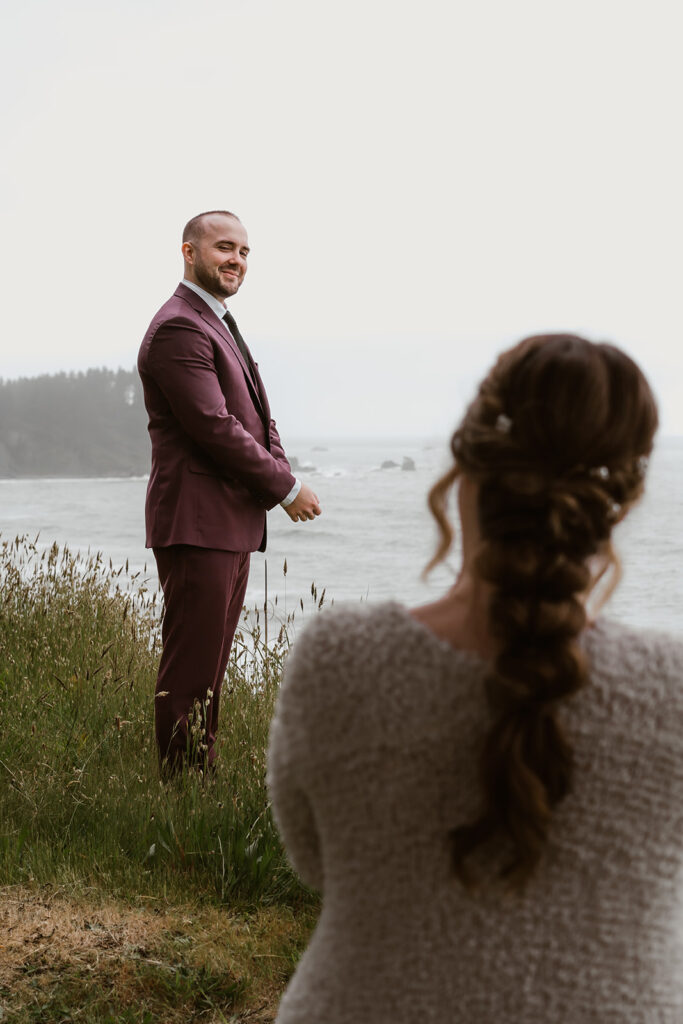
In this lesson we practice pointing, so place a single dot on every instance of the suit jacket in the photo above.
(217, 460)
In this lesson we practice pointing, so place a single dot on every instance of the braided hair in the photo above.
(557, 441)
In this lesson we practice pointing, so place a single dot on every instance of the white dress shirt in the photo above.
(219, 308)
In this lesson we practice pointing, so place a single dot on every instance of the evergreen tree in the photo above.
(74, 424)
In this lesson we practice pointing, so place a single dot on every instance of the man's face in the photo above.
(217, 261)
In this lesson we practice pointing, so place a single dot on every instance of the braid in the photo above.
(549, 493)
(535, 617)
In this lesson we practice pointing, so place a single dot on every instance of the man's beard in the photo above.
(210, 280)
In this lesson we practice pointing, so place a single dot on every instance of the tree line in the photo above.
(74, 424)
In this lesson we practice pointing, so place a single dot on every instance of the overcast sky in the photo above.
(422, 183)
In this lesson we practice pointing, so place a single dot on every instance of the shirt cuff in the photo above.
(292, 494)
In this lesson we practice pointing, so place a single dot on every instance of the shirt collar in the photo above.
(212, 302)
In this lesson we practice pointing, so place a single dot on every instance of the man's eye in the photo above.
(244, 252)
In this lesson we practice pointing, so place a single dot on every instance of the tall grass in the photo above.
(81, 803)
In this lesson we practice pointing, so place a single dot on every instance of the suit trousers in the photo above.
(204, 592)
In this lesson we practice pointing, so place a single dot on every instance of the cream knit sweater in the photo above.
(373, 759)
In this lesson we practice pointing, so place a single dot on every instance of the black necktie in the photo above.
(239, 340)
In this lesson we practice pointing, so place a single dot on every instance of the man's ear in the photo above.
(187, 250)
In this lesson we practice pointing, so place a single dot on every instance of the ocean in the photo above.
(373, 539)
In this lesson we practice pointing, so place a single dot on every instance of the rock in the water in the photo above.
(301, 467)
(389, 464)
(407, 463)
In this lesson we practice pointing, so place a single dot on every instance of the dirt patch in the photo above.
(49, 929)
(97, 961)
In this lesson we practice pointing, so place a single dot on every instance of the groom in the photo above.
(217, 466)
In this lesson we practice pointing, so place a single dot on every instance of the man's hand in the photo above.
(305, 505)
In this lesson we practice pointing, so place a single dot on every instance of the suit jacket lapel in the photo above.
(211, 321)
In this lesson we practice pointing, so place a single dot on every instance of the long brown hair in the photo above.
(557, 440)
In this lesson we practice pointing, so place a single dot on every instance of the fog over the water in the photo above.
(422, 185)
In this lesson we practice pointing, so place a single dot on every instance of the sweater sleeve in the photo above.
(292, 809)
(318, 703)
(296, 735)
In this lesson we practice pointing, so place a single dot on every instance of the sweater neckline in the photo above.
(461, 654)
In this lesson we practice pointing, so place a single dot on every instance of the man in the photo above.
(217, 466)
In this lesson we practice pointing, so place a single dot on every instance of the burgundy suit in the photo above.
(217, 466)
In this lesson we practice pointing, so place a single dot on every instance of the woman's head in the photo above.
(556, 412)
(556, 441)
(557, 421)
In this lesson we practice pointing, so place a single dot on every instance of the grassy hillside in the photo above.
(89, 833)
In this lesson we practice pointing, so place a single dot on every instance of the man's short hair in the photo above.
(194, 229)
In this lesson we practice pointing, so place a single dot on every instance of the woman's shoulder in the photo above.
(374, 654)
(346, 633)
(384, 631)
(359, 619)
(331, 661)
(644, 666)
(622, 646)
